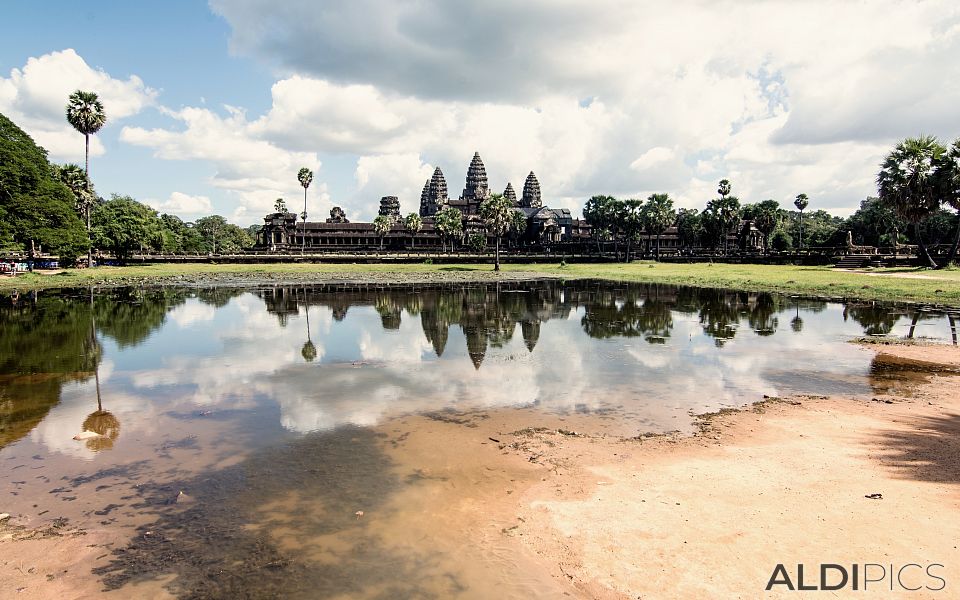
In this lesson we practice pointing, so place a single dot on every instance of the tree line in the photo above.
(919, 181)
(55, 209)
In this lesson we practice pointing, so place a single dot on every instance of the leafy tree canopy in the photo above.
(123, 226)
(34, 205)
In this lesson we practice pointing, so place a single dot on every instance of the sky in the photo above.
(214, 107)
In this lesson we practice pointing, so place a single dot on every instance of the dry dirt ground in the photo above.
(564, 509)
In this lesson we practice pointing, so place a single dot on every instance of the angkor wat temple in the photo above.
(282, 232)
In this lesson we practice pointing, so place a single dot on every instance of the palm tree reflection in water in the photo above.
(100, 421)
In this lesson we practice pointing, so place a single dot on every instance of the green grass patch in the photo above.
(911, 285)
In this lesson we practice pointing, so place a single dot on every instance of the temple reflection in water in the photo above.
(577, 338)
(488, 314)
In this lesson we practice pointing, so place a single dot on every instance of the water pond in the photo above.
(239, 429)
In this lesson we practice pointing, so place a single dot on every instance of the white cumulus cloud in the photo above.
(35, 97)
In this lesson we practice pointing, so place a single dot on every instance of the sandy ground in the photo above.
(565, 509)
(897, 275)
(710, 516)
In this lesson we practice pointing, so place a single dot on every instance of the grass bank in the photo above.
(909, 285)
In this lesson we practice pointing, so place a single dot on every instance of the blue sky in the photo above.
(214, 107)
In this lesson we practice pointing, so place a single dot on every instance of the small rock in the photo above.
(86, 435)
(359, 514)
(183, 498)
(4, 516)
(875, 496)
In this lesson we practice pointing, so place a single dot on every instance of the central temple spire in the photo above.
(477, 189)
(434, 194)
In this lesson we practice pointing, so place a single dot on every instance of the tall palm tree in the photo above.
(724, 188)
(305, 176)
(659, 215)
(449, 224)
(381, 226)
(85, 113)
(497, 211)
(908, 183)
(414, 224)
(948, 172)
(801, 202)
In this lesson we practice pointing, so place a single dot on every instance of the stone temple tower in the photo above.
(434, 194)
(477, 189)
(390, 207)
(510, 194)
(531, 192)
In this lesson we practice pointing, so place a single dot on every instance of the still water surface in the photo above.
(269, 406)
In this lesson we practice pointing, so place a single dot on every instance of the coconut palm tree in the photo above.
(908, 183)
(497, 212)
(305, 176)
(801, 202)
(85, 113)
(414, 224)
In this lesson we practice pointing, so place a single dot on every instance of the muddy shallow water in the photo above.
(254, 442)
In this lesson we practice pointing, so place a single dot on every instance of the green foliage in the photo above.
(802, 201)
(628, 220)
(123, 226)
(658, 214)
(280, 205)
(908, 178)
(498, 213)
(724, 188)
(75, 178)
(780, 240)
(766, 217)
(382, 225)
(305, 177)
(449, 223)
(875, 224)
(518, 222)
(34, 205)
(720, 216)
(477, 242)
(690, 227)
(912, 180)
(413, 223)
(820, 228)
(85, 112)
(600, 211)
